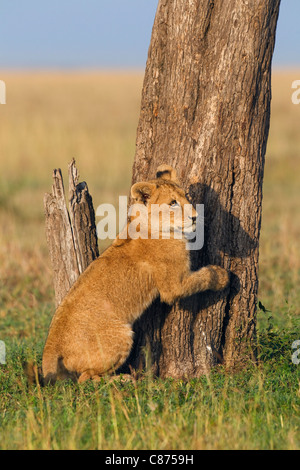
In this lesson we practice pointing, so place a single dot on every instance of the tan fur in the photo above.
(91, 332)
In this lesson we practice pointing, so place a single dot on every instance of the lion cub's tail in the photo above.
(35, 376)
(33, 373)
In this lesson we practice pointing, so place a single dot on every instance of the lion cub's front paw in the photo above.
(220, 278)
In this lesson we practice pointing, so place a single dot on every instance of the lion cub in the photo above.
(91, 332)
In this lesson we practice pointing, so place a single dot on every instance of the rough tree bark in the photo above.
(71, 235)
(206, 110)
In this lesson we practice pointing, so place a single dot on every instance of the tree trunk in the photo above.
(71, 236)
(206, 111)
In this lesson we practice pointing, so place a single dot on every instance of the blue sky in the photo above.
(102, 33)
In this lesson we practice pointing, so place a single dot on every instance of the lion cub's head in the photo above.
(160, 207)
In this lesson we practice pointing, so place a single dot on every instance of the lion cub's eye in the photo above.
(174, 203)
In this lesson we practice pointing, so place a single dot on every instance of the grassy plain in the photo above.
(51, 118)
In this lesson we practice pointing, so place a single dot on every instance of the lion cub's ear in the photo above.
(166, 172)
(141, 192)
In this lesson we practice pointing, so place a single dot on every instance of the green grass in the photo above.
(257, 408)
(49, 119)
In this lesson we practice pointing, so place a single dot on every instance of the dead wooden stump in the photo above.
(71, 234)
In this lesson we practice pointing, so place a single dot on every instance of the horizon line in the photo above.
(109, 69)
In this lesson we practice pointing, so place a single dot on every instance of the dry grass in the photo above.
(280, 236)
(48, 120)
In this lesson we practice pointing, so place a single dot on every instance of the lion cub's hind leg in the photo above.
(105, 358)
